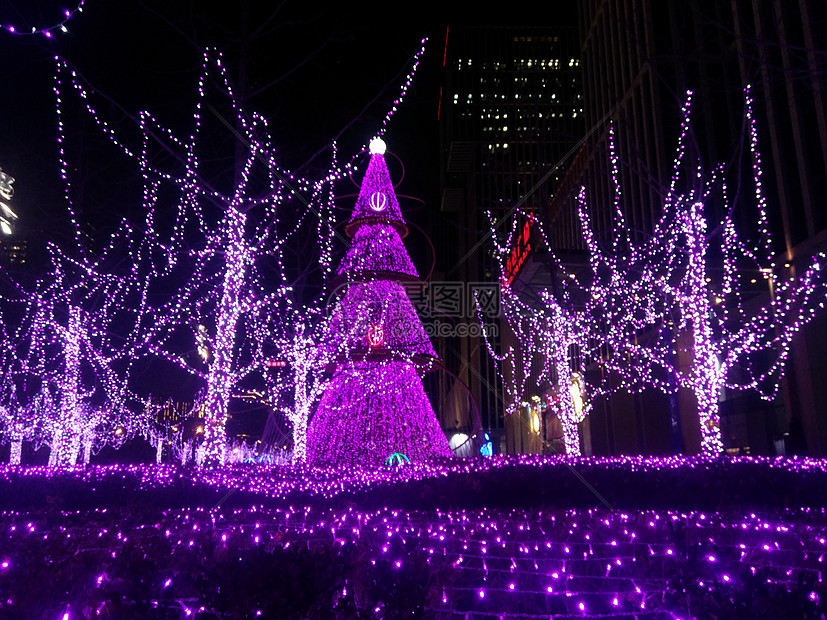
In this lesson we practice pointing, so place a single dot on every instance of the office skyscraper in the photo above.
(510, 110)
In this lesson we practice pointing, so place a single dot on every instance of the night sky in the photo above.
(316, 70)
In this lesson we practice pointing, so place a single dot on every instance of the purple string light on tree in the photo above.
(46, 31)
(707, 324)
(551, 339)
(223, 293)
(75, 345)
(652, 303)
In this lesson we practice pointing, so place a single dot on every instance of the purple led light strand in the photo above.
(636, 293)
(714, 346)
(46, 31)
(610, 563)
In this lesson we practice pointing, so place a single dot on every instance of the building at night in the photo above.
(12, 247)
(13, 252)
(510, 111)
(168, 412)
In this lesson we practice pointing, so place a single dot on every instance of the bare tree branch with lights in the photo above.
(552, 348)
(75, 347)
(218, 283)
(655, 313)
(712, 335)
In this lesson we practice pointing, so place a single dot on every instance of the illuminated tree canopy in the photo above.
(682, 293)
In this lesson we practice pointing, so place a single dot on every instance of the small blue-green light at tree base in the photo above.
(487, 449)
(397, 458)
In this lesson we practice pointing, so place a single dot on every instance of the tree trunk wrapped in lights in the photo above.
(646, 301)
(75, 348)
(707, 317)
(551, 343)
(202, 263)
(302, 379)
(16, 422)
(375, 405)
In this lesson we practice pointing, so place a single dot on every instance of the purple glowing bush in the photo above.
(444, 540)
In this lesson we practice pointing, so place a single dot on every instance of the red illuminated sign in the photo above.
(519, 252)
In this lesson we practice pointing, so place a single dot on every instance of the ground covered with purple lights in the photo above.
(526, 537)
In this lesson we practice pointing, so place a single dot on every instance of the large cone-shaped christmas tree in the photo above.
(375, 405)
